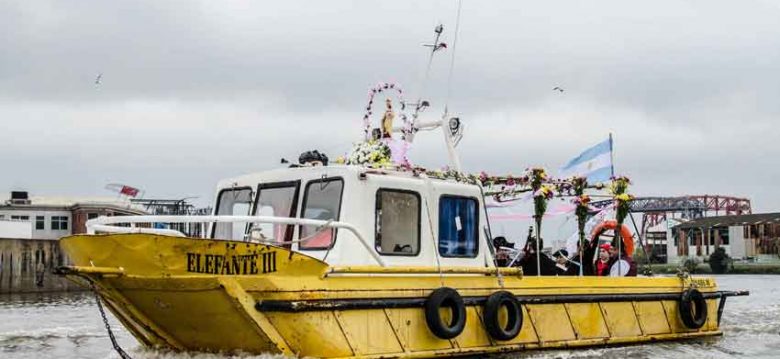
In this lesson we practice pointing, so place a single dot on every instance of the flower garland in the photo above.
(542, 194)
(623, 200)
(582, 200)
(371, 153)
(380, 88)
(501, 188)
(449, 174)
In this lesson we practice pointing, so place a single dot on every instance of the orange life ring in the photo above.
(625, 233)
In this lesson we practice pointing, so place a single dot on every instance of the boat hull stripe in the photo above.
(390, 303)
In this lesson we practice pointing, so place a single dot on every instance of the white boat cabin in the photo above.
(405, 219)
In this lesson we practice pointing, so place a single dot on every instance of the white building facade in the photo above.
(750, 236)
(23, 217)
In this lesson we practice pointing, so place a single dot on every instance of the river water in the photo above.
(69, 326)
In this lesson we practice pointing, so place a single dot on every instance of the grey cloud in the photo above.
(196, 91)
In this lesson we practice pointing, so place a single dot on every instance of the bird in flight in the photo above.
(436, 47)
(557, 88)
(98, 78)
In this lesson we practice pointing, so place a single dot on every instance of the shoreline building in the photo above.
(660, 214)
(30, 228)
(747, 236)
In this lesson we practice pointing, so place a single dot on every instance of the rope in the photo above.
(435, 250)
(452, 60)
(117, 348)
(430, 227)
(538, 252)
(641, 243)
(489, 236)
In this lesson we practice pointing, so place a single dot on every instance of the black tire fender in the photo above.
(693, 308)
(445, 297)
(514, 316)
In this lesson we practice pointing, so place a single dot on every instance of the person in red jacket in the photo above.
(604, 262)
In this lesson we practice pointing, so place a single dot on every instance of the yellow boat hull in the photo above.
(204, 295)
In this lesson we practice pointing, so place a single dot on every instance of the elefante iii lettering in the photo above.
(232, 264)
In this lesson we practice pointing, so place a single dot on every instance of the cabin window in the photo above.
(322, 200)
(275, 200)
(232, 202)
(397, 222)
(40, 223)
(458, 233)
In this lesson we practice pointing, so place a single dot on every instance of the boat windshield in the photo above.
(233, 202)
(322, 201)
(276, 200)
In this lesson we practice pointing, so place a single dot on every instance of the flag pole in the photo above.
(617, 230)
(611, 155)
(538, 252)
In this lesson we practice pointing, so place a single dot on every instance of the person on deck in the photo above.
(603, 263)
(502, 247)
(621, 265)
(563, 266)
(533, 261)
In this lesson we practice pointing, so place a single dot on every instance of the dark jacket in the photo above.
(571, 270)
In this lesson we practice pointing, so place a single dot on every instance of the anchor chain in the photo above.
(117, 348)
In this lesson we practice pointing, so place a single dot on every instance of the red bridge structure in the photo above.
(656, 210)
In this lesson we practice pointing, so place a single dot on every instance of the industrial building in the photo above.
(747, 236)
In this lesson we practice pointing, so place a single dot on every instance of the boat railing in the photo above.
(108, 225)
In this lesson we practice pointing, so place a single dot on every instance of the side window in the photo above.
(724, 235)
(322, 200)
(276, 200)
(59, 223)
(232, 202)
(458, 226)
(397, 222)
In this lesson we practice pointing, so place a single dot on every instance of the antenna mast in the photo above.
(451, 127)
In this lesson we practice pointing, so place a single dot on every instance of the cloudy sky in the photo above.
(195, 91)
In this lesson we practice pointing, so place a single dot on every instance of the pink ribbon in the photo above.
(557, 211)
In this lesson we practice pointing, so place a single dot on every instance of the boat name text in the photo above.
(231, 264)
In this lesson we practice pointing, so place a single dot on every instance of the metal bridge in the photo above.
(656, 210)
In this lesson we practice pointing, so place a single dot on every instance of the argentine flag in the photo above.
(595, 163)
